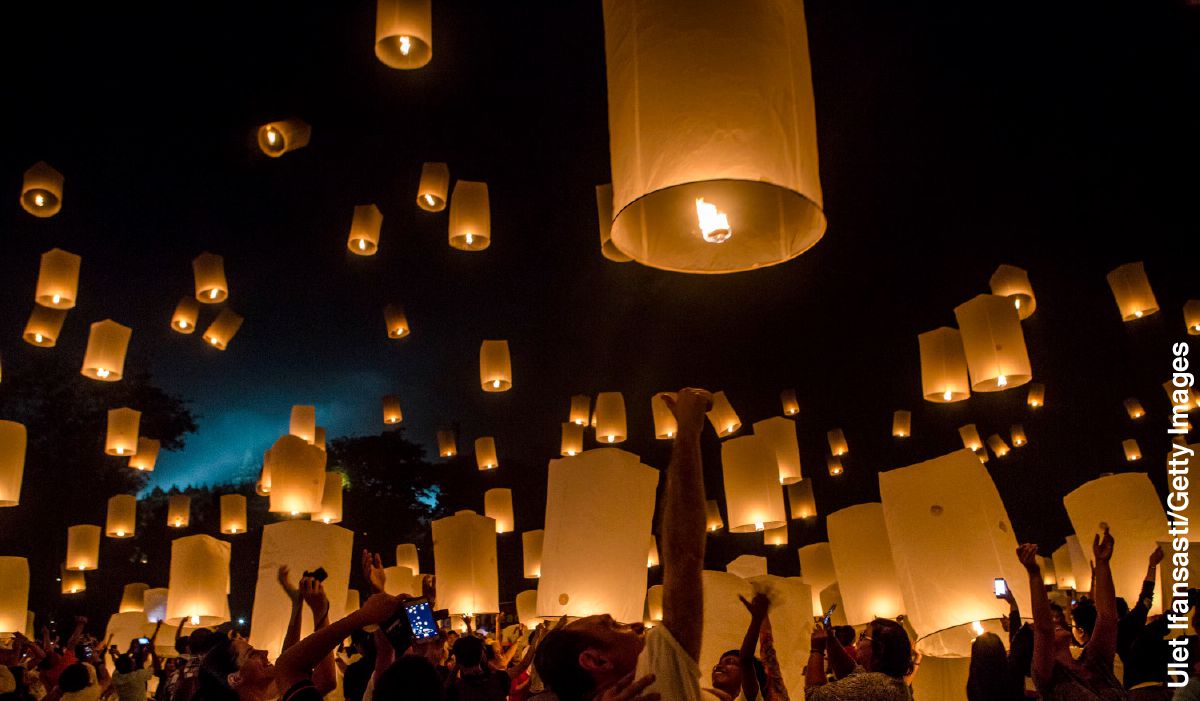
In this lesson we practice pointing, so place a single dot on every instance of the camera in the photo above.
(318, 574)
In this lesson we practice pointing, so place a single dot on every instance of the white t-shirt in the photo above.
(676, 674)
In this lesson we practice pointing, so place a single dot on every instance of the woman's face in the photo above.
(253, 666)
(727, 673)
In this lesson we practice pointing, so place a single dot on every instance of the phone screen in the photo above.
(420, 619)
(829, 614)
(144, 641)
(1001, 587)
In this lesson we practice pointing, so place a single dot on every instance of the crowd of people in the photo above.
(1096, 648)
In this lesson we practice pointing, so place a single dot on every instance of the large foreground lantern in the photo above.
(179, 510)
(133, 598)
(497, 505)
(837, 442)
(199, 581)
(83, 547)
(277, 138)
(470, 216)
(994, 343)
(186, 314)
(122, 516)
(604, 210)
(208, 270)
(747, 566)
(396, 321)
(44, 326)
(495, 366)
(464, 558)
(222, 330)
(816, 569)
(791, 406)
(599, 511)
(1012, 283)
(665, 424)
(943, 366)
(146, 455)
(862, 562)
(1131, 289)
(801, 500)
(581, 407)
(302, 423)
(233, 514)
(42, 190)
(364, 230)
(712, 516)
(12, 462)
(73, 581)
(14, 594)
(572, 439)
(58, 279)
(723, 418)
(391, 409)
(610, 417)
(701, 189)
(901, 423)
(531, 552)
(122, 434)
(485, 453)
(780, 434)
(154, 604)
(404, 34)
(297, 476)
(752, 494)
(104, 358)
(433, 187)
(447, 447)
(951, 537)
(330, 510)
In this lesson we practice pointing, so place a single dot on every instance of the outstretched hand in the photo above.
(313, 593)
(689, 406)
(1156, 556)
(1102, 547)
(372, 571)
(756, 606)
(292, 592)
(1027, 554)
(820, 636)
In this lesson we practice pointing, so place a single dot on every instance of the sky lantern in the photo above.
(531, 552)
(1081, 563)
(154, 604)
(997, 444)
(970, 437)
(122, 434)
(526, 603)
(133, 598)
(263, 486)
(104, 358)
(1049, 578)
(1134, 408)
(1132, 450)
(391, 409)
(73, 581)
(1188, 399)
(723, 418)
(470, 216)
(588, 571)
(1131, 289)
(397, 322)
(775, 536)
(364, 230)
(179, 510)
(447, 448)
(1017, 434)
(199, 581)
(277, 138)
(837, 442)
(495, 366)
(665, 425)
(44, 326)
(42, 190)
(801, 500)
(330, 510)
(604, 210)
(752, 495)
(432, 189)
(58, 279)
(233, 514)
(816, 569)
(1064, 575)
(581, 406)
(297, 476)
(994, 343)
(12, 462)
(497, 505)
(1037, 395)
(902, 423)
(485, 453)
(14, 594)
(404, 34)
(791, 406)
(1191, 316)
(406, 556)
(208, 269)
(303, 422)
(464, 557)
(862, 562)
(747, 566)
(146, 455)
(943, 366)
(187, 312)
(222, 330)
(1013, 282)
(712, 516)
(780, 434)
(572, 439)
(704, 190)
(652, 554)
(654, 604)
(122, 516)
(83, 547)
(610, 417)
(400, 581)
(834, 463)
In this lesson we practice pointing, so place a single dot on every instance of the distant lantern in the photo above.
(12, 462)
(104, 358)
(435, 183)
(1186, 398)
(1191, 316)
(154, 604)
(122, 516)
(44, 326)
(970, 437)
(42, 190)
(447, 447)
(146, 455)
(1132, 450)
(14, 594)
(1134, 408)
(297, 476)
(1017, 434)
(816, 569)
(58, 279)
(572, 439)
(581, 406)
(834, 463)
(712, 516)
(943, 366)
(1131, 288)
(604, 210)
(801, 500)
(1037, 395)
(464, 557)
(1064, 574)
(263, 486)
(994, 343)
(791, 406)
(862, 561)
(397, 322)
(780, 434)
(331, 500)
(133, 598)
(495, 366)
(775, 536)
(83, 547)
(837, 442)
(470, 216)
(199, 581)
(1081, 563)
(233, 514)
(1013, 282)
(404, 33)
(652, 554)
(122, 438)
(752, 494)
(485, 453)
(406, 556)
(187, 312)
(303, 422)
(998, 446)
(526, 603)
(277, 138)
(687, 200)
(364, 230)
(610, 417)
(391, 410)
(208, 269)
(179, 510)
(902, 423)
(497, 505)
(1048, 575)
(723, 418)
(222, 330)
(531, 552)
(665, 425)
(73, 581)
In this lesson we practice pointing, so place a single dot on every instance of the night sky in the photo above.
(953, 138)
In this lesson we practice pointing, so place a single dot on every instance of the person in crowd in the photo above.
(359, 665)
(410, 678)
(738, 674)
(86, 680)
(1083, 621)
(132, 676)
(18, 676)
(1191, 690)
(56, 662)
(884, 655)
(1142, 647)
(994, 675)
(474, 678)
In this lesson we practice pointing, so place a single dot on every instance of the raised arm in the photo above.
(776, 690)
(1043, 621)
(325, 672)
(296, 663)
(77, 633)
(1103, 643)
(292, 636)
(1130, 626)
(758, 613)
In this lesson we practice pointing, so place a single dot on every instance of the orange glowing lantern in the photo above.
(581, 406)
(994, 343)
(83, 547)
(997, 444)
(1134, 408)
(44, 326)
(943, 366)
(12, 462)
(1017, 434)
(330, 510)
(470, 216)
(233, 514)
(800, 498)
(122, 516)
(1131, 289)
(185, 316)
(837, 442)
(277, 138)
(791, 406)
(780, 434)
(1191, 316)
(902, 423)
(1013, 282)
(435, 183)
(970, 437)
(208, 270)
(146, 455)
(834, 463)
(364, 230)
(495, 366)
(391, 410)
(447, 447)
(712, 516)
(222, 330)
(397, 322)
(485, 454)
(58, 279)
(665, 425)
(1132, 450)
(42, 190)
(497, 504)
(303, 422)
(610, 417)
(104, 358)
(572, 439)
(752, 493)
(179, 510)
(723, 418)
(404, 33)
(122, 438)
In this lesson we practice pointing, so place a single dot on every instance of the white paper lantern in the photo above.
(862, 562)
(997, 444)
(122, 516)
(400, 581)
(364, 230)
(147, 454)
(747, 566)
(433, 187)
(610, 418)
(572, 439)
(464, 556)
(470, 216)
(994, 343)
(406, 556)
(970, 437)
(303, 422)
(1012, 283)
(14, 594)
(604, 211)
(447, 447)
(1017, 434)
(801, 500)
(901, 423)
(654, 604)
(122, 438)
(125, 628)
(1131, 289)
(233, 514)
(104, 359)
(396, 321)
(776, 536)
(179, 510)
(944, 376)
(73, 581)
(531, 552)
(297, 476)
(199, 581)
(497, 505)
(723, 418)
(816, 569)
(791, 406)
(58, 279)
(581, 407)
(187, 311)
(222, 330)
(527, 608)
(404, 34)
(1037, 395)
(208, 271)
(330, 510)
(485, 453)
(665, 424)
(12, 462)
(42, 190)
(752, 494)
(780, 434)
(712, 516)
(495, 366)
(83, 548)
(154, 604)
(1132, 450)
(1134, 408)
(1064, 573)
(44, 326)
(133, 598)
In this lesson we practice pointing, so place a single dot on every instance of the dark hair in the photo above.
(212, 682)
(557, 662)
(1084, 614)
(891, 650)
(123, 663)
(202, 640)
(989, 679)
(181, 644)
(468, 650)
(1122, 608)
(760, 672)
(74, 678)
(411, 677)
(844, 635)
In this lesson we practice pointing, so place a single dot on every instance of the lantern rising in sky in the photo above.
(723, 418)
(610, 417)
(495, 366)
(791, 406)
(404, 33)
(1037, 395)
(1013, 282)
(470, 216)
(58, 279)
(364, 230)
(435, 183)
(277, 138)
(572, 439)
(1191, 316)
(12, 462)
(994, 343)
(1131, 289)
(146, 455)
(943, 366)
(391, 410)
(208, 269)
(185, 316)
(104, 359)
(222, 330)
(396, 321)
(42, 190)
(44, 326)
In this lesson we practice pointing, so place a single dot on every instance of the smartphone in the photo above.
(1001, 587)
(414, 621)
(829, 614)
(143, 641)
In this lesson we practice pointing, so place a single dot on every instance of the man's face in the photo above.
(618, 643)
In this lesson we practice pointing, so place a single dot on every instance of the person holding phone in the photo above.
(884, 655)
(132, 676)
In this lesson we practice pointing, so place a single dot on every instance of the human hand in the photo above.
(1102, 547)
(378, 608)
(629, 690)
(689, 406)
(313, 593)
(1156, 556)
(292, 592)
(820, 636)
(372, 571)
(1027, 554)
(756, 606)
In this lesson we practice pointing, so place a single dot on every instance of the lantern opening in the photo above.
(37, 337)
(182, 324)
(714, 224)
(39, 199)
(496, 383)
(56, 298)
(212, 294)
(405, 45)
(1001, 381)
(611, 438)
(758, 525)
(120, 534)
(272, 136)
(362, 245)
(948, 395)
(101, 372)
(470, 239)
(430, 200)
(195, 620)
(1138, 313)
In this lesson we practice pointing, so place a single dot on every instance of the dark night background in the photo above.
(952, 138)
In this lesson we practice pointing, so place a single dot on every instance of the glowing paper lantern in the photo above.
(787, 398)
(862, 562)
(470, 216)
(1191, 316)
(122, 437)
(208, 269)
(404, 36)
(495, 367)
(606, 490)
(199, 581)
(604, 210)
(464, 558)
(1013, 283)
(14, 594)
(485, 453)
(406, 556)
(652, 554)
(1017, 434)
(581, 405)
(122, 516)
(277, 138)
(154, 604)
(352, 602)
(943, 366)
(42, 190)
(950, 538)
(179, 510)
(654, 604)
(185, 316)
(1047, 566)
(133, 598)
(970, 437)
(837, 442)
(303, 422)
(723, 418)
(1131, 289)
(330, 510)
(902, 423)
(222, 330)
(435, 183)
(994, 343)
(125, 628)
(997, 444)
(391, 410)
(397, 322)
(104, 358)
(497, 505)
(531, 552)
(44, 326)
(364, 230)
(297, 476)
(665, 425)
(58, 279)
(73, 581)
(1134, 408)
(83, 547)
(747, 566)
(712, 516)
(233, 514)
(1183, 397)
(1037, 395)
(1132, 450)
(800, 497)
(1064, 575)
(834, 463)
(447, 448)
(526, 603)
(610, 418)
(12, 462)
(752, 495)
(1081, 564)
(775, 536)
(687, 200)
(263, 487)
(830, 596)
(572, 439)
(780, 434)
